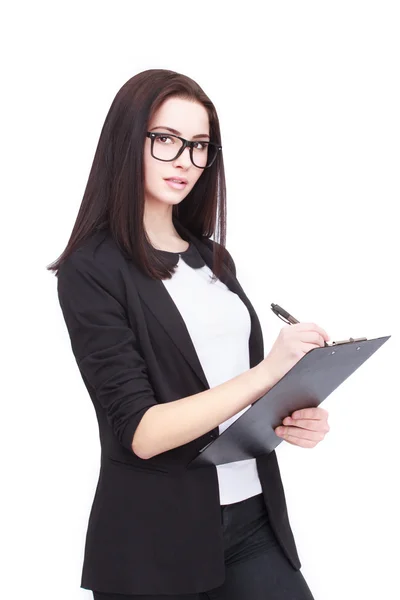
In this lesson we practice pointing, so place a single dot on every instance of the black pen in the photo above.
(285, 316)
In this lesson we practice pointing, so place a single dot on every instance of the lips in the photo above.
(177, 179)
(178, 183)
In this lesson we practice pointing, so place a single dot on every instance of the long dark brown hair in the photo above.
(114, 194)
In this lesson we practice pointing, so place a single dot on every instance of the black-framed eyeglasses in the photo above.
(202, 153)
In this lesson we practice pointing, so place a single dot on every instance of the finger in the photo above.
(314, 412)
(313, 424)
(314, 327)
(299, 442)
(296, 432)
(312, 338)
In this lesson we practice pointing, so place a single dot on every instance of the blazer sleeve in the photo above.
(105, 347)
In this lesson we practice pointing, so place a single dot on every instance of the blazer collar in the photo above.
(159, 301)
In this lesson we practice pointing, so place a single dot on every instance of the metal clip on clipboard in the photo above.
(349, 341)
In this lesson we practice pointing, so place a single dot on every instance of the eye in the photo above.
(164, 137)
(203, 145)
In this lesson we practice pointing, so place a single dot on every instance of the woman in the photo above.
(171, 352)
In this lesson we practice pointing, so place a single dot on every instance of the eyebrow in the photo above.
(200, 135)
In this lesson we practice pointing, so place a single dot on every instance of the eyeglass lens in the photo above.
(167, 148)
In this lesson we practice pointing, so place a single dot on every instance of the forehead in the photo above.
(184, 115)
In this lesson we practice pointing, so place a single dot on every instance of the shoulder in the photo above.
(96, 261)
(99, 249)
(227, 257)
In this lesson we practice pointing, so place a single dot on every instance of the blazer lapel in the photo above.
(159, 301)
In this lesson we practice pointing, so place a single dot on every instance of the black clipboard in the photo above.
(312, 379)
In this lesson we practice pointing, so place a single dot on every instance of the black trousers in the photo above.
(256, 568)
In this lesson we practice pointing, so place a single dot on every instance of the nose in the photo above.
(184, 159)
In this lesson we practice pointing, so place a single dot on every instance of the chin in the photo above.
(173, 196)
(171, 199)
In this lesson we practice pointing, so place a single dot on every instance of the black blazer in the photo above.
(155, 525)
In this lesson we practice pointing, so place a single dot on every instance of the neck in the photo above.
(159, 226)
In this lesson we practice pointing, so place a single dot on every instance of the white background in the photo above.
(308, 98)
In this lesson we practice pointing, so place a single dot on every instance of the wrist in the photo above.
(263, 377)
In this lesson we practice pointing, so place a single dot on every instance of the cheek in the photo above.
(151, 174)
(151, 168)
(198, 177)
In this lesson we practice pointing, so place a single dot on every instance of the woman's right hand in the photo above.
(292, 343)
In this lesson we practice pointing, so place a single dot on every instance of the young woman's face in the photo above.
(189, 119)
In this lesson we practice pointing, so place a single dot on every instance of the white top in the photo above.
(219, 325)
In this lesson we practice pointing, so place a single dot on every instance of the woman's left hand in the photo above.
(305, 427)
